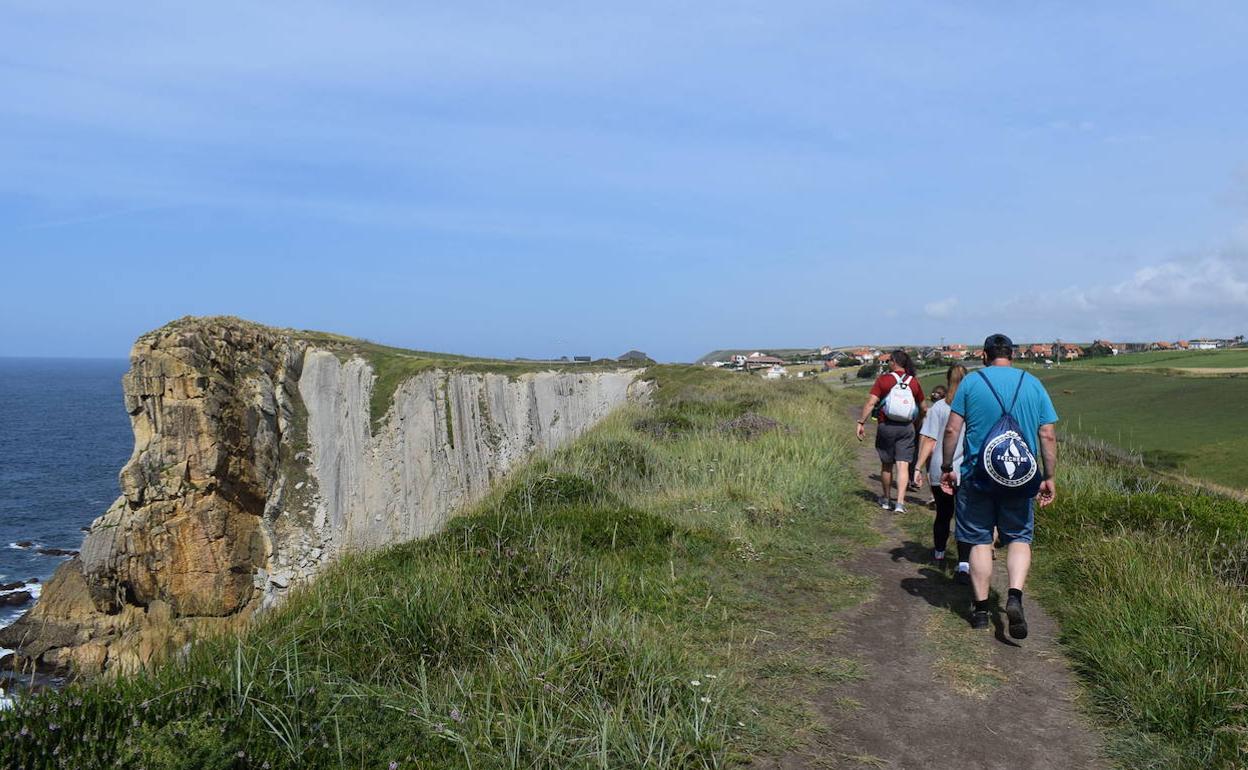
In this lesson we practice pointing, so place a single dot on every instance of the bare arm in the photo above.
(872, 400)
(926, 446)
(1048, 450)
(953, 429)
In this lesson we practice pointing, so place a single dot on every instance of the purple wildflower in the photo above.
(456, 716)
(394, 765)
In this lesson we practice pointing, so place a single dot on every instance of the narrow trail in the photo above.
(934, 691)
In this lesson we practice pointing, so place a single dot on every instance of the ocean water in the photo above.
(64, 435)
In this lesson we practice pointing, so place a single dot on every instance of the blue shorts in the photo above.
(978, 513)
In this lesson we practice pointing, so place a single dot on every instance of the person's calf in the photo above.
(1018, 563)
(981, 570)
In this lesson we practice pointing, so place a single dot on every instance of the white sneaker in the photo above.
(885, 503)
(899, 508)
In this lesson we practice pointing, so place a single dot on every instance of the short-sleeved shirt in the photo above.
(975, 402)
(934, 428)
(885, 382)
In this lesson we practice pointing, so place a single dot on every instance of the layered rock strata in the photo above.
(257, 460)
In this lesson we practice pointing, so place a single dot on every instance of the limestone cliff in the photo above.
(260, 455)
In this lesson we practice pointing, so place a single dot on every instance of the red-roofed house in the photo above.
(759, 361)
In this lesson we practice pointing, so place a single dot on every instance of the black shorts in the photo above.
(895, 442)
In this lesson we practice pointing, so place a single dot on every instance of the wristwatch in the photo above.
(946, 469)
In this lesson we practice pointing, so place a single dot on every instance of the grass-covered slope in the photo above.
(654, 595)
(1148, 581)
(1195, 426)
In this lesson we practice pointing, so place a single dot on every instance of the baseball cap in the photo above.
(998, 341)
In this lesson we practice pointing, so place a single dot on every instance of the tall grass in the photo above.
(1147, 578)
(600, 609)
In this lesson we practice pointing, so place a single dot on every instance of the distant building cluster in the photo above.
(867, 360)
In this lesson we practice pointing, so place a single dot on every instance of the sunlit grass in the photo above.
(633, 600)
(1147, 579)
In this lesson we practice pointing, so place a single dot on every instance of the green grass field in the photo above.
(1235, 358)
(1191, 425)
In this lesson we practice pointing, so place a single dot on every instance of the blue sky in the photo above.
(544, 179)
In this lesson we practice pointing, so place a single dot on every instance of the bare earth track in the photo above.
(935, 692)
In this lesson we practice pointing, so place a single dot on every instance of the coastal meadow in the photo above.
(602, 608)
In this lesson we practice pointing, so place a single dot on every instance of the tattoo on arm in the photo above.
(1048, 448)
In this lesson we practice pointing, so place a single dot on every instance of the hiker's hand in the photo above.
(862, 431)
(1048, 492)
(948, 482)
(918, 478)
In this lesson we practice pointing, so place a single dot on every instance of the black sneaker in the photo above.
(1018, 621)
(979, 619)
(962, 578)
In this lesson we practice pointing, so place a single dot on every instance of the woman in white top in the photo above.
(931, 437)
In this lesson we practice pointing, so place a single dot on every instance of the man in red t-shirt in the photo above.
(894, 437)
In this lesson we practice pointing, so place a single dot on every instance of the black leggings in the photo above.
(945, 508)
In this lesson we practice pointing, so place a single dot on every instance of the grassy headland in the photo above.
(654, 595)
(392, 365)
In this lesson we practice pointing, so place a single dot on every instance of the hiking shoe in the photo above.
(938, 558)
(885, 503)
(962, 578)
(1018, 621)
(899, 508)
(979, 619)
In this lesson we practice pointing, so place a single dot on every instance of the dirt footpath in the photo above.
(936, 692)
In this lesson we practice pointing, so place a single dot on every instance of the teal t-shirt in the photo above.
(975, 403)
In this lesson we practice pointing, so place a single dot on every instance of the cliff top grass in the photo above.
(391, 365)
(636, 599)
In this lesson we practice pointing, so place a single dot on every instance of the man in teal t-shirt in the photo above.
(978, 513)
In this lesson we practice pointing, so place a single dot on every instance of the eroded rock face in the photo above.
(208, 402)
(448, 436)
(255, 463)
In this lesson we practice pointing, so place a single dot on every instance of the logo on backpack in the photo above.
(899, 404)
(1007, 467)
(1005, 463)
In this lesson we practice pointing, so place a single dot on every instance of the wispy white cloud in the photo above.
(1194, 295)
(942, 308)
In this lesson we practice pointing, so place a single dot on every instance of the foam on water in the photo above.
(64, 435)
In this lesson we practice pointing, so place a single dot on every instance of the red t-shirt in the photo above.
(885, 382)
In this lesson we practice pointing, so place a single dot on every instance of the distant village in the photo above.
(869, 360)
